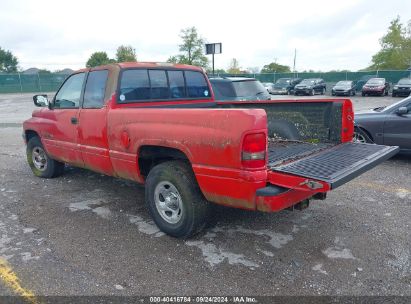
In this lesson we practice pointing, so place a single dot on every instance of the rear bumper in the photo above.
(273, 198)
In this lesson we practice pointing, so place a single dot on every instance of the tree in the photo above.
(126, 53)
(8, 62)
(274, 67)
(98, 58)
(234, 67)
(191, 48)
(395, 53)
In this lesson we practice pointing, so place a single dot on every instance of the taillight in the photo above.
(254, 150)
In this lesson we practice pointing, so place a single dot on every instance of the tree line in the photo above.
(395, 54)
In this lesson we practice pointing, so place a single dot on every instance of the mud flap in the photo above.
(339, 164)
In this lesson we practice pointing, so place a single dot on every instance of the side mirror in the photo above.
(41, 101)
(402, 111)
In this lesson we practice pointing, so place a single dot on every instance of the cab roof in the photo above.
(130, 65)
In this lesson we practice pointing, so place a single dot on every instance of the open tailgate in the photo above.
(338, 164)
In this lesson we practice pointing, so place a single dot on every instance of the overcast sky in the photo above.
(327, 34)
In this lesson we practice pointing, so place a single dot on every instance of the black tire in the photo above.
(323, 91)
(386, 93)
(195, 208)
(50, 167)
(363, 94)
(353, 93)
(394, 95)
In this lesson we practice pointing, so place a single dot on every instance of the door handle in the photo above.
(74, 120)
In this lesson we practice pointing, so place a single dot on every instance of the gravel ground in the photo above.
(89, 234)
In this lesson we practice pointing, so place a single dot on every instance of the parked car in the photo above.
(269, 86)
(310, 86)
(363, 80)
(385, 125)
(160, 125)
(344, 87)
(402, 88)
(376, 86)
(285, 86)
(239, 88)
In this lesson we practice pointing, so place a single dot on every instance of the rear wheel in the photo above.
(174, 199)
(323, 91)
(40, 163)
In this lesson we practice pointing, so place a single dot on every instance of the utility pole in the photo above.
(295, 56)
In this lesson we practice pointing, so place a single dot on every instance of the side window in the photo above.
(196, 85)
(95, 89)
(68, 97)
(176, 81)
(159, 85)
(134, 85)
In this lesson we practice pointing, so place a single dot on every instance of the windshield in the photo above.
(375, 81)
(404, 81)
(283, 81)
(248, 88)
(307, 81)
(343, 83)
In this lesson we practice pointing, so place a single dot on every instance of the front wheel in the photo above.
(174, 199)
(40, 163)
(360, 136)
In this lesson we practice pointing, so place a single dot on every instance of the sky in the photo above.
(328, 35)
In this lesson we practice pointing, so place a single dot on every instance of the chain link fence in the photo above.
(42, 82)
(50, 82)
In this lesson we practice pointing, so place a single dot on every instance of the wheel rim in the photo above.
(358, 138)
(168, 202)
(39, 158)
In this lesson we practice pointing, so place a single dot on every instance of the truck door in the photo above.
(397, 128)
(60, 138)
(93, 124)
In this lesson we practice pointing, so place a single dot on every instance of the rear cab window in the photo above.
(145, 85)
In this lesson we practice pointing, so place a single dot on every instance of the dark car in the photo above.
(402, 88)
(376, 86)
(285, 86)
(344, 87)
(238, 88)
(389, 126)
(269, 86)
(363, 80)
(310, 86)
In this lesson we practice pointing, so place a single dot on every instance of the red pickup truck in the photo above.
(159, 124)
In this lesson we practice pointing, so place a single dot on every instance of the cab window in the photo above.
(196, 85)
(159, 84)
(135, 85)
(68, 97)
(95, 89)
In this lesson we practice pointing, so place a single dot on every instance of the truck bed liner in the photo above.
(283, 151)
(338, 164)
